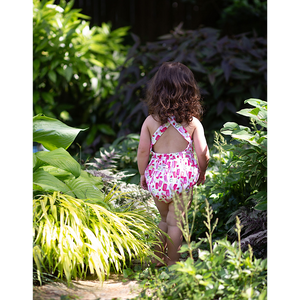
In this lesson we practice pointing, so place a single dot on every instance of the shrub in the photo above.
(237, 179)
(74, 66)
(228, 70)
(252, 150)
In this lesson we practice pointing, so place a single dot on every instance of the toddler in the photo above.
(168, 133)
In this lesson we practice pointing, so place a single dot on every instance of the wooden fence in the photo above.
(150, 18)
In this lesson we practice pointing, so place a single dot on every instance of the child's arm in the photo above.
(201, 149)
(143, 152)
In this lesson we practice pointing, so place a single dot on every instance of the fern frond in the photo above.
(106, 160)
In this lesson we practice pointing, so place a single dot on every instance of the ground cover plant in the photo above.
(77, 237)
(222, 271)
(77, 229)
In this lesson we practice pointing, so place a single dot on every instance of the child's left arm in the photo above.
(143, 153)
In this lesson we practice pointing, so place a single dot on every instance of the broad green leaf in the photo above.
(52, 133)
(52, 75)
(255, 111)
(36, 162)
(85, 187)
(256, 102)
(262, 206)
(43, 181)
(242, 134)
(99, 48)
(60, 158)
(68, 72)
(58, 173)
(229, 127)
(96, 62)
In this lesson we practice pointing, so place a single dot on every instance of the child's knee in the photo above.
(171, 217)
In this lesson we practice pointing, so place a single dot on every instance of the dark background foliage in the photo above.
(223, 42)
(228, 70)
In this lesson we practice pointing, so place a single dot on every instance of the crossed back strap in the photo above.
(161, 129)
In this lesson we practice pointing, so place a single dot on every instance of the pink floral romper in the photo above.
(171, 173)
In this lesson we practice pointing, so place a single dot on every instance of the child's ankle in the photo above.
(171, 262)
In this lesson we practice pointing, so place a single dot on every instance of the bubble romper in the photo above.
(171, 173)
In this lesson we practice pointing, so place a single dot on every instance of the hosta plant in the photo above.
(56, 169)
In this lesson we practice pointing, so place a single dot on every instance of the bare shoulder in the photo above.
(151, 124)
(196, 124)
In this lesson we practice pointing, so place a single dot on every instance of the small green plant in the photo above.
(183, 222)
(119, 156)
(209, 216)
(224, 273)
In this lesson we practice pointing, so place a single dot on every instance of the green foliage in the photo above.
(52, 133)
(73, 238)
(74, 66)
(227, 69)
(237, 180)
(244, 15)
(121, 157)
(57, 170)
(79, 231)
(223, 273)
(252, 150)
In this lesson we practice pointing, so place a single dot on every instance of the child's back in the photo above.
(171, 140)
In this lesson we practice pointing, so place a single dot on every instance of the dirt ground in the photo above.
(115, 288)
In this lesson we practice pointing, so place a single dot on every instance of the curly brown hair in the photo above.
(173, 91)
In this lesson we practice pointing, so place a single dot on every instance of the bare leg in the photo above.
(173, 230)
(175, 234)
(163, 209)
(168, 224)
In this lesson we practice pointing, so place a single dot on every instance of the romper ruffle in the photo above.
(171, 173)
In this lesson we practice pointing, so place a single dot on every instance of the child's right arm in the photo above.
(201, 149)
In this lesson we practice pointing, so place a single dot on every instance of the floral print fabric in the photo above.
(171, 173)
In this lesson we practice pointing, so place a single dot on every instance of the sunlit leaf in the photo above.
(52, 133)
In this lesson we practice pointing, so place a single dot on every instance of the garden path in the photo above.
(117, 287)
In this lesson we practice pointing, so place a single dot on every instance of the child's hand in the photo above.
(201, 178)
(143, 183)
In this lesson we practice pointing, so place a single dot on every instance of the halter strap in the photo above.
(161, 129)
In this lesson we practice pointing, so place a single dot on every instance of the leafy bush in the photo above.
(237, 179)
(244, 15)
(227, 69)
(252, 149)
(74, 66)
